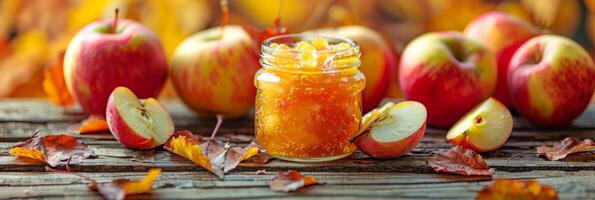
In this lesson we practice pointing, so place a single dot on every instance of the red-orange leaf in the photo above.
(92, 124)
(119, 188)
(458, 160)
(567, 146)
(55, 150)
(513, 189)
(54, 84)
(290, 181)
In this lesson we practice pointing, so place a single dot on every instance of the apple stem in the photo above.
(115, 25)
(219, 122)
(224, 14)
(277, 21)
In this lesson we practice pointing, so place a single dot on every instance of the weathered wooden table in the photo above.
(356, 177)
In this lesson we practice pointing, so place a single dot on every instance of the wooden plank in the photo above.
(201, 185)
(38, 110)
(113, 157)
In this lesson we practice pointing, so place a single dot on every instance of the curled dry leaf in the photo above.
(54, 84)
(211, 154)
(565, 147)
(458, 160)
(260, 158)
(92, 124)
(513, 189)
(55, 150)
(290, 181)
(119, 188)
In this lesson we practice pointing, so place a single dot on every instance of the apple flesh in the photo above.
(392, 130)
(98, 60)
(551, 80)
(503, 34)
(483, 129)
(448, 73)
(213, 71)
(138, 124)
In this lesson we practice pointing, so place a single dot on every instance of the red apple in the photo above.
(503, 34)
(448, 73)
(378, 62)
(138, 124)
(392, 130)
(483, 129)
(100, 58)
(551, 80)
(213, 71)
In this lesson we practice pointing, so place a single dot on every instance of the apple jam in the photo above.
(309, 97)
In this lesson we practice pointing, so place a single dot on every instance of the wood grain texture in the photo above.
(365, 185)
(356, 177)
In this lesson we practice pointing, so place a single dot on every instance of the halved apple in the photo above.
(143, 124)
(392, 130)
(485, 128)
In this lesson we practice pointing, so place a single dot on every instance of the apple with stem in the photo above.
(551, 80)
(448, 73)
(138, 124)
(503, 34)
(213, 71)
(111, 53)
(392, 130)
(485, 128)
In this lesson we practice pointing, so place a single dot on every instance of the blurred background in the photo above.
(34, 32)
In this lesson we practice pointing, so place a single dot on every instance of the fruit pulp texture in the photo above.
(308, 115)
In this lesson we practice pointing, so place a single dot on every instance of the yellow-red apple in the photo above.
(213, 71)
(503, 34)
(448, 73)
(483, 129)
(392, 130)
(551, 80)
(100, 58)
(144, 124)
(378, 62)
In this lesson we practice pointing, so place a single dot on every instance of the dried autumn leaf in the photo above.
(55, 150)
(513, 189)
(458, 160)
(211, 154)
(92, 124)
(260, 158)
(290, 181)
(54, 84)
(565, 147)
(118, 189)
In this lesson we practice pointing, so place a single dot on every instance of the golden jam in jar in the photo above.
(309, 96)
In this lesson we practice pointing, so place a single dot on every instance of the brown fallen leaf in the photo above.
(92, 124)
(260, 158)
(513, 189)
(565, 147)
(54, 84)
(290, 181)
(211, 154)
(261, 171)
(118, 189)
(458, 160)
(55, 150)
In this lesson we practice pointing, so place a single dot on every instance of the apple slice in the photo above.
(486, 127)
(138, 124)
(392, 130)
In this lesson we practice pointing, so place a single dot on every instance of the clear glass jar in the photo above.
(308, 104)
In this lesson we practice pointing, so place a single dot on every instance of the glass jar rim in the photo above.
(267, 53)
(352, 44)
